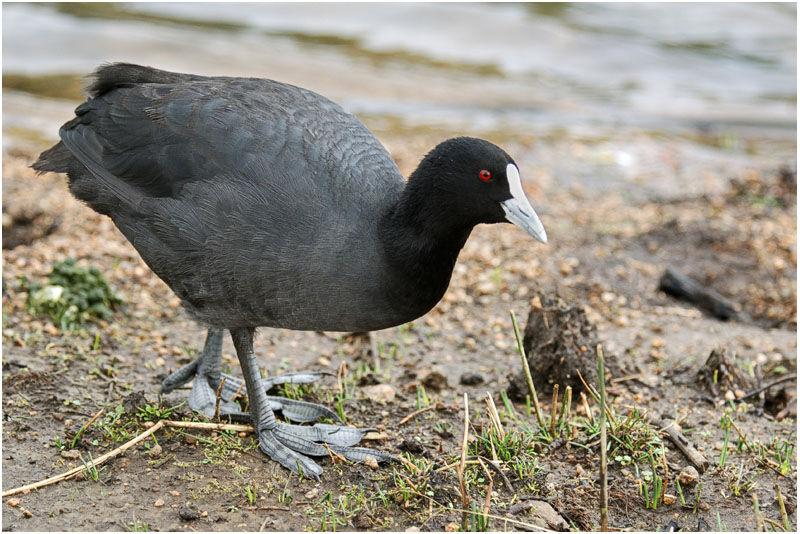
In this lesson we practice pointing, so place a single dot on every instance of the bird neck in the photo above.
(420, 235)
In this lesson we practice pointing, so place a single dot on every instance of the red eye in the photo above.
(485, 175)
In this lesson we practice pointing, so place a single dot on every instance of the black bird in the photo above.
(265, 204)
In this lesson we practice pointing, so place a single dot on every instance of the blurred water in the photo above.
(715, 61)
(639, 81)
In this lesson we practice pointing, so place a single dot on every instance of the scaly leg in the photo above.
(205, 370)
(287, 444)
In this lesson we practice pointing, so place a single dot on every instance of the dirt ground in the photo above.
(605, 256)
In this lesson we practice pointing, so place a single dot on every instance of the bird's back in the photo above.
(257, 202)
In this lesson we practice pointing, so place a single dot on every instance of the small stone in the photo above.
(371, 462)
(175, 493)
(704, 507)
(739, 393)
(68, 422)
(187, 514)
(412, 529)
(190, 440)
(471, 379)
(25, 512)
(161, 362)
(159, 503)
(323, 361)
(668, 499)
(657, 342)
(381, 393)
(71, 454)
(729, 395)
(155, 450)
(434, 381)
(688, 477)
(451, 527)
(149, 424)
(13, 502)
(313, 493)
(242, 434)
(176, 351)
(579, 469)
(203, 514)
(375, 436)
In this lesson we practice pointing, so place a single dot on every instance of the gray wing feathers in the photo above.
(223, 181)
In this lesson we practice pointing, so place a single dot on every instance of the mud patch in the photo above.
(560, 343)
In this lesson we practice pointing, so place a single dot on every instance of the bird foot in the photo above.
(291, 445)
(203, 397)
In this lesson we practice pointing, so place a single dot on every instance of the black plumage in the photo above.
(264, 204)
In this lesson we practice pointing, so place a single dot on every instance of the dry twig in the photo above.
(553, 406)
(97, 462)
(461, 482)
(755, 392)
(784, 517)
(410, 416)
(494, 417)
(122, 448)
(219, 397)
(603, 455)
(527, 370)
(759, 518)
(87, 425)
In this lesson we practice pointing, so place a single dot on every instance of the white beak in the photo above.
(518, 208)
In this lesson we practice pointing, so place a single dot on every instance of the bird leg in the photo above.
(205, 370)
(288, 444)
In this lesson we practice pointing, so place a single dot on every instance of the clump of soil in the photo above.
(721, 374)
(24, 228)
(559, 342)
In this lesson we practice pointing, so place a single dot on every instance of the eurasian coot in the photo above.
(264, 204)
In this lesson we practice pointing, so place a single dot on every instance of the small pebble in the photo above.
(26, 512)
(155, 450)
(313, 493)
(371, 462)
(688, 477)
(381, 393)
(412, 529)
(68, 422)
(161, 362)
(471, 379)
(70, 454)
(668, 499)
(159, 503)
(187, 514)
(451, 527)
(434, 381)
(13, 502)
(175, 493)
